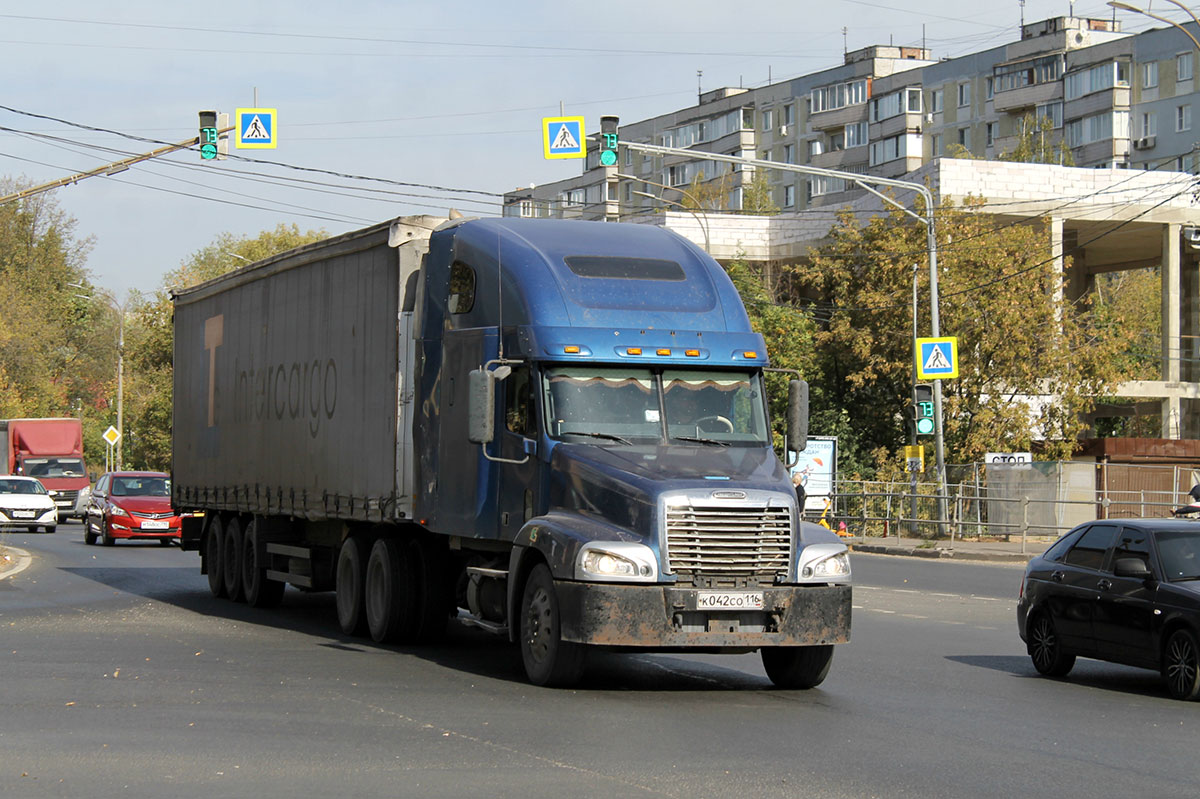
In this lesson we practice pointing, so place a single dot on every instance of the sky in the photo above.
(389, 107)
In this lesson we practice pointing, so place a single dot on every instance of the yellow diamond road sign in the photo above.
(112, 435)
(937, 358)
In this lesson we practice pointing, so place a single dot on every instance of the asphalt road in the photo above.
(121, 676)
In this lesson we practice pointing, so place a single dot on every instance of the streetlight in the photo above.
(687, 194)
(1136, 10)
(702, 223)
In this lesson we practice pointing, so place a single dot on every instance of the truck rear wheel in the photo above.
(350, 583)
(231, 557)
(797, 666)
(390, 595)
(548, 659)
(260, 591)
(214, 564)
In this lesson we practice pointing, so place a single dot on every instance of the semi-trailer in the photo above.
(555, 430)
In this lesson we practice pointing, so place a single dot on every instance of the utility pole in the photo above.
(107, 169)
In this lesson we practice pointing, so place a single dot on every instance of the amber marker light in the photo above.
(692, 353)
(749, 354)
(573, 349)
(663, 352)
(633, 351)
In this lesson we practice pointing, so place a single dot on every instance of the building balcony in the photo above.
(1097, 102)
(840, 159)
(831, 120)
(1028, 96)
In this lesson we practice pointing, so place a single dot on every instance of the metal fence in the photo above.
(1023, 500)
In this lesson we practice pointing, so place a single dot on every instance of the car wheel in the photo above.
(797, 666)
(1045, 648)
(1181, 665)
(89, 537)
(105, 538)
(50, 528)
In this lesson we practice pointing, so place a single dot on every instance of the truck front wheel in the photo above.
(548, 659)
(797, 666)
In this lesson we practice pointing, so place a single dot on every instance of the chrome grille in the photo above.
(728, 545)
(140, 515)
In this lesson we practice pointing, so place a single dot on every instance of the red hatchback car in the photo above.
(131, 505)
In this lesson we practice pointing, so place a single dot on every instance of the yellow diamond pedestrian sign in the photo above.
(562, 137)
(937, 358)
(255, 129)
(112, 435)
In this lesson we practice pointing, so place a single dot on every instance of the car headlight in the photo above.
(824, 563)
(616, 561)
(117, 510)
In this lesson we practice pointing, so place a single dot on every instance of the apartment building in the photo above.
(1116, 99)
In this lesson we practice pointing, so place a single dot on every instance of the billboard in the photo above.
(817, 468)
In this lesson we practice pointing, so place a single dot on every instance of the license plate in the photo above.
(153, 524)
(24, 514)
(729, 600)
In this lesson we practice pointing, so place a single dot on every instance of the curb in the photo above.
(943, 554)
(13, 561)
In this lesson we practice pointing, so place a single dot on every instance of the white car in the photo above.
(24, 502)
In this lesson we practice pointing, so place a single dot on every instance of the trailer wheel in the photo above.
(214, 564)
(260, 591)
(351, 583)
(231, 554)
(548, 659)
(390, 595)
(797, 666)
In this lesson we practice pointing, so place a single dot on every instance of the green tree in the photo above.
(756, 196)
(150, 339)
(1037, 143)
(707, 195)
(1029, 364)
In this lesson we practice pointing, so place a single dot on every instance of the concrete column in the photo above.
(1056, 254)
(1171, 341)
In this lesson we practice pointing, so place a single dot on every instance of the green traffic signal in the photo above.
(923, 409)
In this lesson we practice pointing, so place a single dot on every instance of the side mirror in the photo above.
(1133, 568)
(797, 418)
(481, 407)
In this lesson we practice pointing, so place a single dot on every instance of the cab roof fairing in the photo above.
(541, 290)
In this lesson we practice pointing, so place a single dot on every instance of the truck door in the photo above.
(519, 486)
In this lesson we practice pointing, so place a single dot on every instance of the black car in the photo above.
(1122, 590)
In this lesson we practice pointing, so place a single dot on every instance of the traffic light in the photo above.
(923, 409)
(208, 135)
(608, 140)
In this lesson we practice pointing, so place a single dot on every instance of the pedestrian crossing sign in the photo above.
(562, 137)
(255, 129)
(937, 358)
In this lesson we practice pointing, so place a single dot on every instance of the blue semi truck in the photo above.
(553, 430)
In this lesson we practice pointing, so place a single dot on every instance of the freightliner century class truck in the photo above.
(554, 430)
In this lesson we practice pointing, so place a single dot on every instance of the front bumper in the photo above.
(664, 617)
(125, 531)
(42, 518)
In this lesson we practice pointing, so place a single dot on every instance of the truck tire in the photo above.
(260, 591)
(548, 659)
(797, 666)
(231, 558)
(214, 563)
(350, 583)
(434, 598)
(390, 595)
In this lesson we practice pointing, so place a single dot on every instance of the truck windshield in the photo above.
(638, 405)
(52, 467)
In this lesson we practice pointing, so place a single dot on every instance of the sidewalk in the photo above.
(995, 551)
(13, 561)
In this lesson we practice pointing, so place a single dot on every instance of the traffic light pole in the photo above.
(867, 183)
(107, 169)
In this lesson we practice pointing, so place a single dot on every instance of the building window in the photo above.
(964, 95)
(1028, 73)
(789, 196)
(1095, 79)
(1098, 127)
(989, 87)
(815, 147)
(789, 114)
(526, 208)
(1052, 112)
(935, 145)
(1183, 118)
(991, 134)
(964, 137)
(789, 153)
(767, 118)
(1149, 75)
(840, 95)
(1149, 125)
(856, 135)
(935, 101)
(837, 141)
(1183, 66)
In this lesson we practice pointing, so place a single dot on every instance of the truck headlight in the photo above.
(616, 561)
(826, 563)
